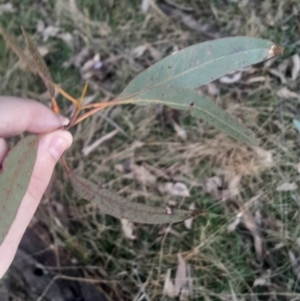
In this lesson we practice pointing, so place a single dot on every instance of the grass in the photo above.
(222, 266)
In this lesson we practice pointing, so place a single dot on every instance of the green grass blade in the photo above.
(199, 106)
(117, 206)
(14, 180)
(202, 63)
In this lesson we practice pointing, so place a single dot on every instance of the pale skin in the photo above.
(17, 116)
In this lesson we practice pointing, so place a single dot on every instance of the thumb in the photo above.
(51, 147)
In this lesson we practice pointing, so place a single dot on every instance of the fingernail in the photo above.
(63, 120)
(57, 146)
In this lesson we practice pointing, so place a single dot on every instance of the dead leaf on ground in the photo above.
(67, 38)
(43, 50)
(234, 185)
(179, 131)
(213, 89)
(6, 8)
(214, 187)
(264, 279)
(169, 288)
(231, 79)
(188, 222)
(279, 246)
(287, 187)
(253, 228)
(265, 157)
(90, 64)
(127, 227)
(93, 67)
(176, 189)
(231, 227)
(180, 277)
(285, 93)
(124, 167)
(50, 31)
(139, 50)
(79, 59)
(142, 174)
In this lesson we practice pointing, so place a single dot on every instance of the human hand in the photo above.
(16, 116)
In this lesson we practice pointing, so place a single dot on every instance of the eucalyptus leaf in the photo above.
(14, 180)
(17, 50)
(202, 63)
(198, 106)
(39, 64)
(35, 63)
(112, 204)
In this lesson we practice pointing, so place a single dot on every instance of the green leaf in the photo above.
(171, 81)
(117, 206)
(14, 180)
(199, 106)
(202, 63)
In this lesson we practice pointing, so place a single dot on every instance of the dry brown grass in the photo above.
(220, 266)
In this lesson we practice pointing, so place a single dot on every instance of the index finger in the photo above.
(18, 115)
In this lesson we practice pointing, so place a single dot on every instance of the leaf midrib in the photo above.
(184, 72)
(252, 141)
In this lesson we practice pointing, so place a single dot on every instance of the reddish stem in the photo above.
(89, 113)
(65, 165)
(54, 106)
(65, 94)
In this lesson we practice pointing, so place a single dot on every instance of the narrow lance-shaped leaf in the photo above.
(199, 106)
(117, 206)
(14, 180)
(202, 63)
(17, 50)
(36, 64)
(39, 64)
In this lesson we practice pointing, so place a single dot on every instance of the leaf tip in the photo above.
(274, 51)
